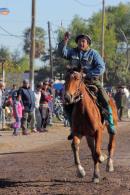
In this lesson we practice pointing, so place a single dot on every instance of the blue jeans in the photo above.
(17, 124)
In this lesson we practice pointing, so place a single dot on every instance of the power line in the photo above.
(10, 34)
(87, 5)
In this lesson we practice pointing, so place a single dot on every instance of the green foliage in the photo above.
(13, 63)
(5, 53)
(116, 19)
(23, 64)
(39, 41)
(77, 26)
(60, 33)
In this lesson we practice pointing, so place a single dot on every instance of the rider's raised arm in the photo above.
(63, 50)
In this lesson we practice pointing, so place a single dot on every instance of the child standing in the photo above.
(17, 113)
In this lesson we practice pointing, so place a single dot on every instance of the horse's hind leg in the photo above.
(111, 149)
(75, 148)
(91, 144)
(95, 145)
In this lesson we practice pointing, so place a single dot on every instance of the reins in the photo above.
(78, 95)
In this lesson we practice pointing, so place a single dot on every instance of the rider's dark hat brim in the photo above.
(82, 36)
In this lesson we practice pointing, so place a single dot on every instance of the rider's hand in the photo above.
(84, 75)
(66, 37)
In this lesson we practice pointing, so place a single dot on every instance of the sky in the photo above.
(55, 11)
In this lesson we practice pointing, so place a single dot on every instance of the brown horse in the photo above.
(86, 121)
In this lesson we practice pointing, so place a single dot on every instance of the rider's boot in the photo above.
(109, 118)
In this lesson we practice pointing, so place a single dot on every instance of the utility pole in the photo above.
(2, 62)
(50, 50)
(32, 50)
(103, 32)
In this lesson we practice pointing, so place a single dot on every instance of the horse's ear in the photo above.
(82, 73)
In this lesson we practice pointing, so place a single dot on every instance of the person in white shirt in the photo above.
(126, 91)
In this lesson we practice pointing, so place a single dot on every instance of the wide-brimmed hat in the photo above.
(82, 36)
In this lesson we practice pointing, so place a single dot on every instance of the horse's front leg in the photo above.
(75, 148)
(111, 149)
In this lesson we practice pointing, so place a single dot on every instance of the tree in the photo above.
(116, 17)
(39, 41)
(22, 64)
(5, 53)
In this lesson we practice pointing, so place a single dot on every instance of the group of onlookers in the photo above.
(31, 109)
(122, 99)
(34, 109)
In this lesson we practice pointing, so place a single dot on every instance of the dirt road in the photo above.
(42, 164)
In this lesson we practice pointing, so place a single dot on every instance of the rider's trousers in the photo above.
(103, 100)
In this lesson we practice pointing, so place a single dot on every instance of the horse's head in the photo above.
(73, 80)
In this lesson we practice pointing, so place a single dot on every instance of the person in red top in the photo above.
(44, 108)
(17, 113)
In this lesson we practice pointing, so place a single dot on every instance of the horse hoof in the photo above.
(102, 158)
(96, 180)
(81, 172)
(110, 169)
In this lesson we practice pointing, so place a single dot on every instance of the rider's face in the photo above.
(83, 44)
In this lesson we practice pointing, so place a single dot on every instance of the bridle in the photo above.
(77, 96)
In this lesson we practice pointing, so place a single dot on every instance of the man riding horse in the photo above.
(93, 66)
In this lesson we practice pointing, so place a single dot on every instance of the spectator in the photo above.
(17, 113)
(126, 91)
(121, 101)
(44, 108)
(1, 98)
(8, 105)
(51, 102)
(37, 105)
(129, 106)
(28, 100)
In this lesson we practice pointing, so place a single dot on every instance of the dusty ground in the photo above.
(42, 164)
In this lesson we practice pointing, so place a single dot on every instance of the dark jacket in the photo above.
(121, 100)
(28, 99)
